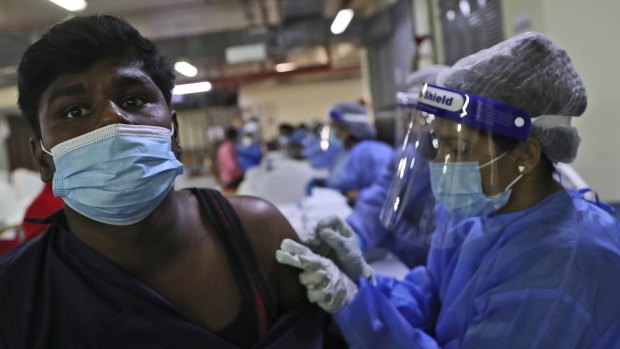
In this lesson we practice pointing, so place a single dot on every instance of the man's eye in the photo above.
(76, 112)
(132, 102)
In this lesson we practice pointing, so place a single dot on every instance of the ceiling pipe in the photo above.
(42, 26)
(315, 69)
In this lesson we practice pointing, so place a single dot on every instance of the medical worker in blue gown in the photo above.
(249, 152)
(517, 260)
(405, 231)
(365, 157)
(322, 148)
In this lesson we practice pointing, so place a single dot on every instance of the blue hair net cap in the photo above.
(354, 117)
(415, 81)
(425, 75)
(530, 72)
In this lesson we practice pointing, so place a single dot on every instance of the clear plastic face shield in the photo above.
(405, 111)
(327, 136)
(413, 149)
(461, 148)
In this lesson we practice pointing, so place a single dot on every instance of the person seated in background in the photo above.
(517, 260)
(300, 134)
(42, 206)
(286, 143)
(365, 157)
(406, 231)
(130, 262)
(321, 148)
(229, 171)
(249, 152)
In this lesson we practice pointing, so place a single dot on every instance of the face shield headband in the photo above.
(348, 117)
(478, 112)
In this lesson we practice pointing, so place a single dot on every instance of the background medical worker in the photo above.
(249, 152)
(520, 261)
(321, 148)
(404, 232)
(363, 158)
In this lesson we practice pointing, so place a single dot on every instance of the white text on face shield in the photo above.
(429, 96)
(443, 99)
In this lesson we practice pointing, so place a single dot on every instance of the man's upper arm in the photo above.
(266, 228)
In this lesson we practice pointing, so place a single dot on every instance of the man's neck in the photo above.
(149, 243)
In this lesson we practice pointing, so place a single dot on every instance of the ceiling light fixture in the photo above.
(342, 20)
(185, 69)
(284, 67)
(450, 15)
(196, 87)
(465, 8)
(71, 5)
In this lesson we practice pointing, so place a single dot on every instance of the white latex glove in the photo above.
(326, 285)
(340, 237)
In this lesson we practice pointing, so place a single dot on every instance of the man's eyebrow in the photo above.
(131, 81)
(66, 91)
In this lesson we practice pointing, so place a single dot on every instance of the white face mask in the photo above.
(246, 141)
(116, 174)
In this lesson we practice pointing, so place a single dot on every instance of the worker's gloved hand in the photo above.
(336, 234)
(327, 286)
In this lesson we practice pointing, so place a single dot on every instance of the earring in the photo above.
(521, 168)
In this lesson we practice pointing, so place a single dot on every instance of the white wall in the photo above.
(588, 31)
(300, 102)
(8, 102)
(8, 98)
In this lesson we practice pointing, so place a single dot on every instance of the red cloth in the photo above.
(42, 206)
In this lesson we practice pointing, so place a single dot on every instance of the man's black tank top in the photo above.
(258, 308)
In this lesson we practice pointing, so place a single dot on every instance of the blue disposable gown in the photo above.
(249, 156)
(334, 179)
(409, 240)
(364, 165)
(545, 277)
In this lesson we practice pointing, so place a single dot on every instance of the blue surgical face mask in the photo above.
(335, 141)
(116, 174)
(458, 186)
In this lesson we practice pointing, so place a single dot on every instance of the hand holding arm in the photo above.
(326, 285)
(335, 233)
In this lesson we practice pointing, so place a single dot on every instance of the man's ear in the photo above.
(176, 139)
(43, 161)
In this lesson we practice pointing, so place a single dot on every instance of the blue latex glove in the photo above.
(326, 285)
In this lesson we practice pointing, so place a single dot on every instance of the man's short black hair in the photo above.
(77, 43)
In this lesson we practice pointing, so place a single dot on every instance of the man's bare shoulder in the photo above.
(262, 217)
(266, 228)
